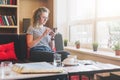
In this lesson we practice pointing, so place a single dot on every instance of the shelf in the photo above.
(9, 16)
(8, 26)
(9, 6)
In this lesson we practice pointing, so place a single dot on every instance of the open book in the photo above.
(36, 67)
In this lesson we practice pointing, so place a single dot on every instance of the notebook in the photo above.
(36, 67)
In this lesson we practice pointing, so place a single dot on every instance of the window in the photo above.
(83, 34)
(108, 32)
(81, 9)
(94, 20)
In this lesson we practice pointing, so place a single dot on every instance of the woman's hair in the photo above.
(37, 13)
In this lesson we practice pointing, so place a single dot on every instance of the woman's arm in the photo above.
(52, 42)
(31, 43)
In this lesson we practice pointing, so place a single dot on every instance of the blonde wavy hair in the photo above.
(36, 15)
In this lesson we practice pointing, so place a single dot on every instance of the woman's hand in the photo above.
(46, 32)
(51, 33)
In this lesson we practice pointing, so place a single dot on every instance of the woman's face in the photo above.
(43, 18)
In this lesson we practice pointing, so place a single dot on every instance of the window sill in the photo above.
(89, 54)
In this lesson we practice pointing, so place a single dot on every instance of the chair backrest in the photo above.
(19, 43)
(58, 42)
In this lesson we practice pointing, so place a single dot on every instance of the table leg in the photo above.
(80, 77)
(91, 77)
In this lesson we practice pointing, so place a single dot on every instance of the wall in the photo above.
(27, 7)
(50, 6)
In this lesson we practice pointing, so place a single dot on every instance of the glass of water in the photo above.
(57, 60)
(6, 67)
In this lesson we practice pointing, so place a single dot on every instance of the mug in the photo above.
(72, 58)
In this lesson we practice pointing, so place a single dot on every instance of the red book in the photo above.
(1, 21)
(11, 2)
(14, 2)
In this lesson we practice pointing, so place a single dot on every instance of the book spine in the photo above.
(10, 2)
(14, 20)
(1, 21)
(7, 2)
(6, 20)
(13, 2)
(0, 1)
(10, 23)
(3, 1)
(3, 18)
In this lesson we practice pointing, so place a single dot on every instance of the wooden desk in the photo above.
(91, 69)
(115, 75)
(103, 76)
(36, 76)
(88, 69)
(17, 76)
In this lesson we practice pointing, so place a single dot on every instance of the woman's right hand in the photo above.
(47, 31)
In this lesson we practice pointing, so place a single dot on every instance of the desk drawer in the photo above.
(103, 76)
(115, 75)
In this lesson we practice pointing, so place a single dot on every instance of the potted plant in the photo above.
(95, 46)
(116, 47)
(77, 44)
(65, 42)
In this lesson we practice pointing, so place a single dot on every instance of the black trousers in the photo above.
(39, 56)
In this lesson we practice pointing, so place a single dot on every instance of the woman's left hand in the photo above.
(51, 33)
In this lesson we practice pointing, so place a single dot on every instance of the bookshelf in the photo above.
(9, 16)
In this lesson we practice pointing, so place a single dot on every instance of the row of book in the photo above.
(8, 2)
(8, 20)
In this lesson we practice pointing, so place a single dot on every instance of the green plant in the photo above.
(95, 46)
(65, 42)
(116, 46)
(77, 42)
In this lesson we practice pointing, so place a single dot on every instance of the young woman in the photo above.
(39, 37)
